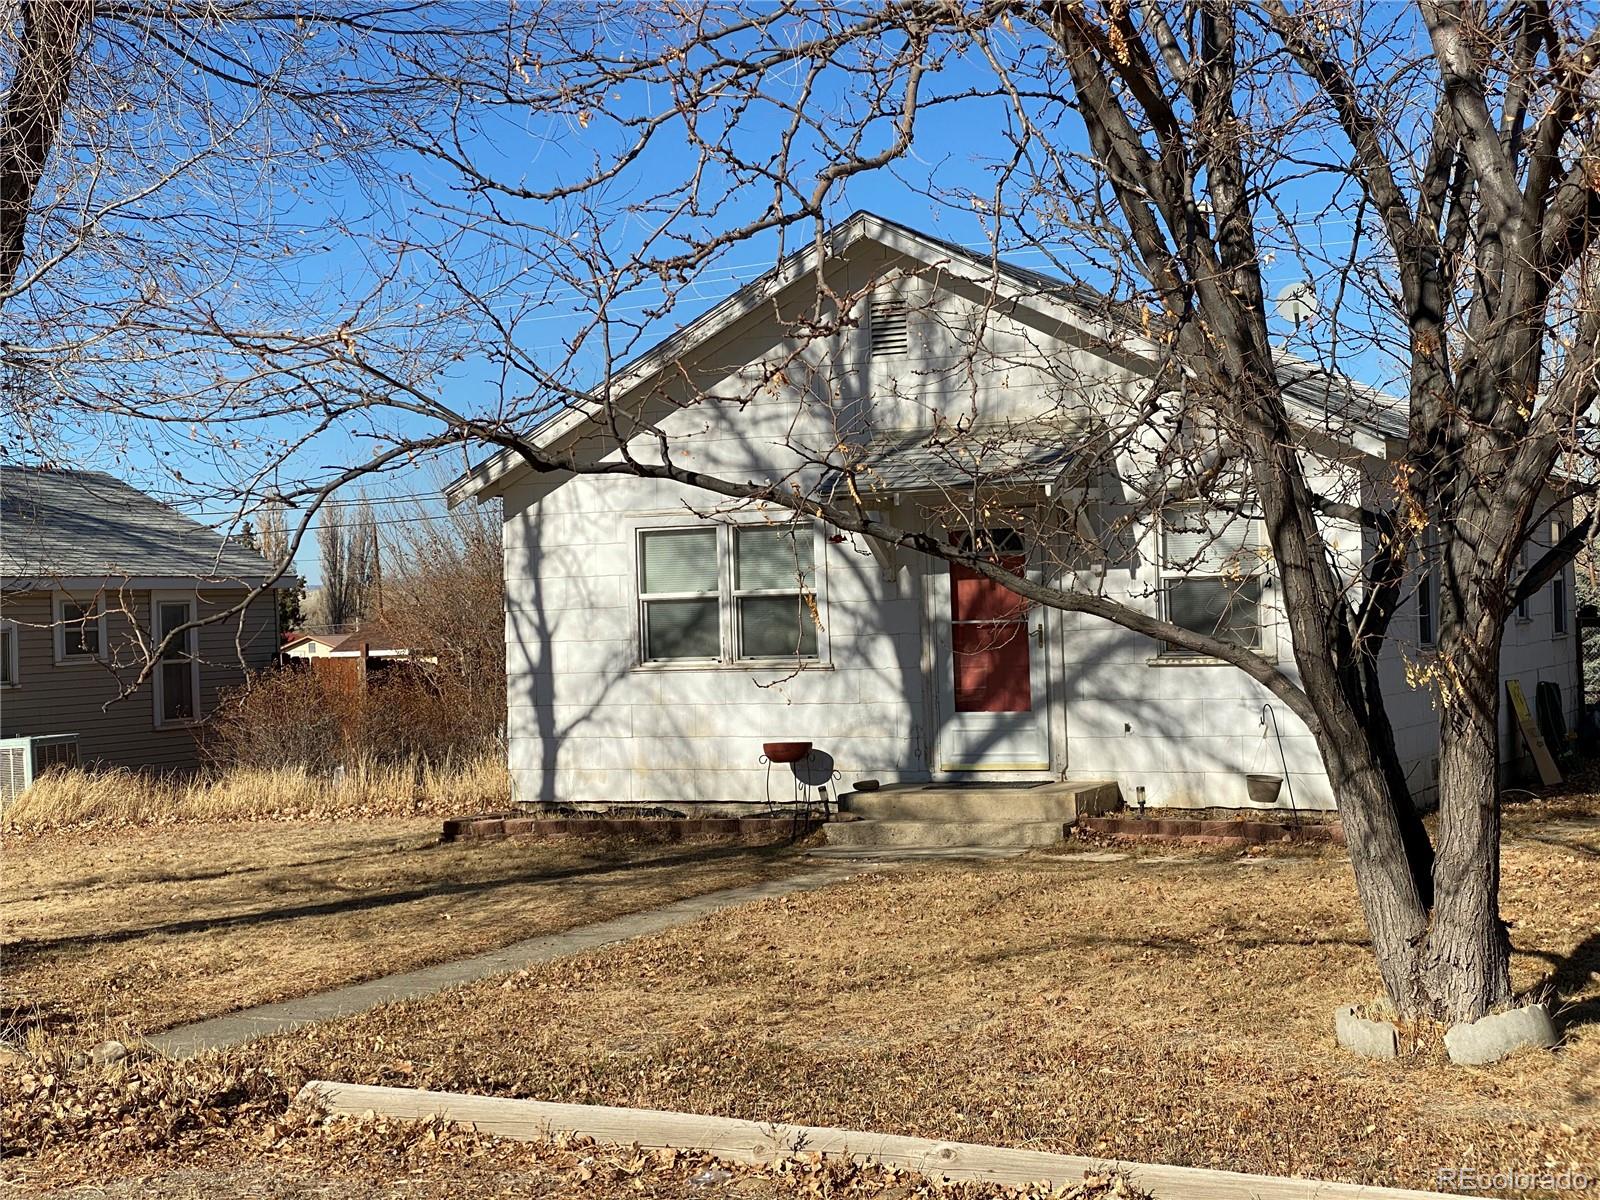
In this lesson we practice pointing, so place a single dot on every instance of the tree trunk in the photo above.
(1395, 909)
(1468, 961)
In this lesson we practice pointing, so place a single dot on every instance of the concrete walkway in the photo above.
(219, 1032)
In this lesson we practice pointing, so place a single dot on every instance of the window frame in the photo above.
(730, 654)
(1428, 600)
(798, 591)
(1560, 606)
(157, 676)
(10, 651)
(644, 599)
(58, 628)
(1167, 576)
(1523, 613)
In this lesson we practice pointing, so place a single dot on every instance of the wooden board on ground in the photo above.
(1549, 773)
(753, 1142)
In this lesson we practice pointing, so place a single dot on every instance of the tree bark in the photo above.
(1468, 962)
(35, 104)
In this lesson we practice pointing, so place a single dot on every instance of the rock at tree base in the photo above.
(1370, 1039)
(109, 1052)
(1476, 1043)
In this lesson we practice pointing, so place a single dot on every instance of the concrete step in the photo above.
(931, 834)
(901, 854)
(1047, 802)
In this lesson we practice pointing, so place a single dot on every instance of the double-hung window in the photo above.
(80, 630)
(728, 593)
(1558, 586)
(177, 676)
(1523, 611)
(1213, 566)
(1428, 600)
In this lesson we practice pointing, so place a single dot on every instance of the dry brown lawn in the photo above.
(1161, 1008)
(124, 930)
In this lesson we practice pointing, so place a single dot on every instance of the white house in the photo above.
(656, 637)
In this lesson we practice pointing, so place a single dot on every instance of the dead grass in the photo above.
(1161, 1008)
(214, 1132)
(66, 799)
(117, 931)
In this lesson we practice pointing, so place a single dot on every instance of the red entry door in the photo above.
(990, 647)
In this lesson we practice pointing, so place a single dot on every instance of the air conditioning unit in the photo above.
(24, 759)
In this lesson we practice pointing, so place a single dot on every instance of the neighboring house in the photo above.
(92, 574)
(353, 657)
(656, 637)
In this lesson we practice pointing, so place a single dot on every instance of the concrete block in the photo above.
(1476, 1043)
(1370, 1039)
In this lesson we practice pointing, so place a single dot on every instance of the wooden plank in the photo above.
(1548, 771)
(753, 1142)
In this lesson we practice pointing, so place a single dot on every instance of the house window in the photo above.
(1558, 587)
(727, 593)
(1428, 601)
(774, 591)
(177, 675)
(680, 594)
(1523, 611)
(10, 655)
(1213, 564)
(80, 630)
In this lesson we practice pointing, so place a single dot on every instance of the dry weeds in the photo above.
(67, 799)
(111, 932)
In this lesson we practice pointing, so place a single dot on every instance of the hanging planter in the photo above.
(1263, 789)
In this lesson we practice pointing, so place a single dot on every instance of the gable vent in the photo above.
(887, 321)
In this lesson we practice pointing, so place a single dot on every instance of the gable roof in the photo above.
(1349, 408)
(57, 525)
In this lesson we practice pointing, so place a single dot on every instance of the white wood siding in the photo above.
(589, 725)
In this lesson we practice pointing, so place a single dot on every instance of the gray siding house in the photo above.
(657, 636)
(92, 574)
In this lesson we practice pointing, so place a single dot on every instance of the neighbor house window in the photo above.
(10, 656)
(80, 630)
(1213, 566)
(1523, 611)
(1428, 601)
(1558, 587)
(177, 675)
(727, 593)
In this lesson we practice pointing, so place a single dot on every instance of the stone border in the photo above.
(756, 830)
(1217, 833)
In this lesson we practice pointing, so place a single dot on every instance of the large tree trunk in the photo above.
(1469, 954)
(1394, 905)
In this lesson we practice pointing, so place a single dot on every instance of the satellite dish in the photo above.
(1297, 303)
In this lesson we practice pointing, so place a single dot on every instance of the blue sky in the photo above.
(347, 234)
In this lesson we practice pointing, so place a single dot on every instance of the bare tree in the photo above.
(1158, 156)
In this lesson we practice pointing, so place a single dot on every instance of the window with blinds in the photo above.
(888, 326)
(1212, 565)
(728, 593)
(679, 594)
(774, 591)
